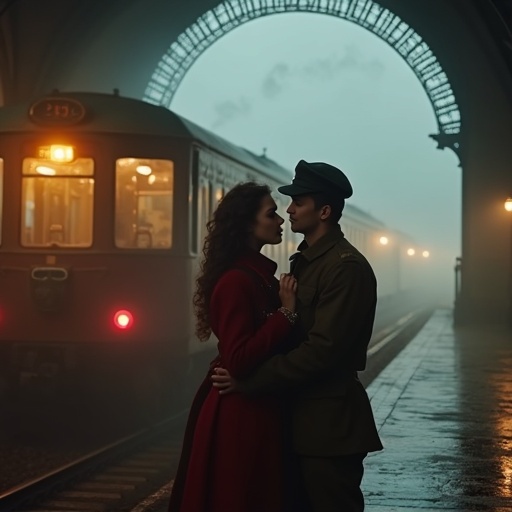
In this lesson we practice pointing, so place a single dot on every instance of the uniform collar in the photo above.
(322, 245)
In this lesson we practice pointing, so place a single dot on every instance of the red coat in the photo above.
(233, 452)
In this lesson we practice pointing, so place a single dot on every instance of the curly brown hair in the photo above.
(227, 238)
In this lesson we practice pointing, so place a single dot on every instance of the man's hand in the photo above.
(223, 381)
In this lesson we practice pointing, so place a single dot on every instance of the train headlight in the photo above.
(123, 319)
(57, 153)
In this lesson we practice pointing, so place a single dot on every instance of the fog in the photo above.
(314, 87)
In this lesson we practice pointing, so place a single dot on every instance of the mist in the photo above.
(308, 86)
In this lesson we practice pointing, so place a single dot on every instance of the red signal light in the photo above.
(123, 319)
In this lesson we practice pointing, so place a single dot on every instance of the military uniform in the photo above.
(331, 419)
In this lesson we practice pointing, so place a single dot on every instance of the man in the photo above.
(333, 428)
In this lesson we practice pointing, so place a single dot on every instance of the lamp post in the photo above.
(508, 207)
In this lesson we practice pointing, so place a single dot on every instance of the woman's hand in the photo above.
(222, 380)
(288, 291)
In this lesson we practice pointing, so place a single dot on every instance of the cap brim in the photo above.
(294, 190)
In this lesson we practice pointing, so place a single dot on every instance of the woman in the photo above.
(233, 452)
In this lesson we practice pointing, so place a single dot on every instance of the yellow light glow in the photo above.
(62, 153)
(145, 170)
(126, 162)
(508, 204)
(411, 252)
(57, 153)
(425, 254)
(152, 179)
(46, 171)
(383, 240)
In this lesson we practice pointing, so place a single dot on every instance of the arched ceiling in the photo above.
(368, 14)
(98, 46)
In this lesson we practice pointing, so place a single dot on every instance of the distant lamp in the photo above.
(411, 252)
(383, 240)
(425, 254)
(508, 204)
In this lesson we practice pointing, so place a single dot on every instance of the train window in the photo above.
(218, 194)
(57, 203)
(193, 206)
(205, 209)
(144, 199)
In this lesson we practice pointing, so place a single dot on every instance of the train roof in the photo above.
(362, 217)
(261, 162)
(111, 113)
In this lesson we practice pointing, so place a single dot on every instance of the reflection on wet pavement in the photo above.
(444, 408)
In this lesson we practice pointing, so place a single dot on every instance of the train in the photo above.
(104, 206)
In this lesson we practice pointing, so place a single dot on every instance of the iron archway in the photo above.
(368, 14)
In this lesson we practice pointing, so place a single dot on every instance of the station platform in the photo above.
(444, 412)
(443, 407)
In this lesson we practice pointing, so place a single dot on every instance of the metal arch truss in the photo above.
(229, 14)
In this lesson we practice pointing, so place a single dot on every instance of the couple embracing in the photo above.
(282, 422)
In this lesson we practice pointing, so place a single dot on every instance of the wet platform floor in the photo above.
(444, 411)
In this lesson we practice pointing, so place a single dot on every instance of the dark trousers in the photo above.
(332, 484)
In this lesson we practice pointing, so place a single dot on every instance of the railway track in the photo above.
(113, 478)
(387, 342)
(121, 476)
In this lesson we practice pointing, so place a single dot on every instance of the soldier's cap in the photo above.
(311, 177)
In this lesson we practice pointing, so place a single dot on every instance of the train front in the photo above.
(94, 271)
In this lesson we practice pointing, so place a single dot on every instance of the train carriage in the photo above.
(103, 210)
(105, 201)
